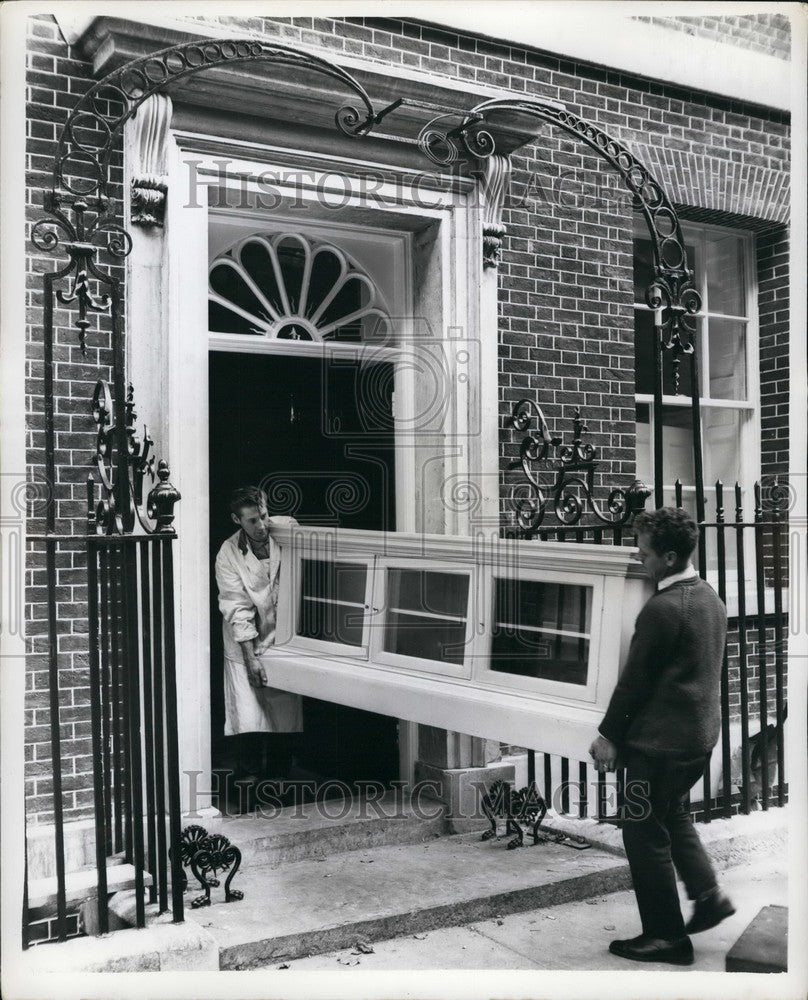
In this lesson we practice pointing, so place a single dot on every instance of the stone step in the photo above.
(763, 946)
(80, 885)
(334, 826)
(312, 906)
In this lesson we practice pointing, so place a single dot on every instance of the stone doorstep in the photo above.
(295, 833)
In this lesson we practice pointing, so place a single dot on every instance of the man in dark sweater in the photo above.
(663, 719)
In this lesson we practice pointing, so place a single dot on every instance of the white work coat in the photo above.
(248, 597)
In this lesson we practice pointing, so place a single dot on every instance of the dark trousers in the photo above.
(661, 840)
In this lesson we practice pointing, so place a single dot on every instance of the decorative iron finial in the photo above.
(121, 504)
(160, 504)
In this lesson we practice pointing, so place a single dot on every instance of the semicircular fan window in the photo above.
(287, 287)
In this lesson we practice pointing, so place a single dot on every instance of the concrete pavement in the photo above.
(567, 936)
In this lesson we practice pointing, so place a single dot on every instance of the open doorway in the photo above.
(317, 434)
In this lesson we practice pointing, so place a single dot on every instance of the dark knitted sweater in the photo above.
(667, 701)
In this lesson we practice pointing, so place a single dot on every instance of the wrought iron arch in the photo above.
(672, 294)
(82, 220)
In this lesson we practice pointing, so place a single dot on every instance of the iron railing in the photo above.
(746, 560)
(134, 730)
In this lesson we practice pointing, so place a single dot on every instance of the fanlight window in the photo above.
(288, 287)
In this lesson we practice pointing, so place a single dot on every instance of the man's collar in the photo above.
(686, 574)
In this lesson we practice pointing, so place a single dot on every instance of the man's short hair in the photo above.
(669, 529)
(246, 496)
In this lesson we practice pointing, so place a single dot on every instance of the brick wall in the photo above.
(56, 79)
(769, 33)
(565, 281)
(773, 291)
(753, 668)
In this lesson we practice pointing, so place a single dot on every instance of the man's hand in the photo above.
(256, 674)
(604, 753)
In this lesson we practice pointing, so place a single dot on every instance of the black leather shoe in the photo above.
(648, 949)
(710, 909)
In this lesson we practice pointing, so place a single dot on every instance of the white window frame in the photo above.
(748, 409)
(320, 645)
(541, 685)
(380, 609)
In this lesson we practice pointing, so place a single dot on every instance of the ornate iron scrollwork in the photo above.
(121, 504)
(80, 185)
(673, 291)
(207, 854)
(574, 468)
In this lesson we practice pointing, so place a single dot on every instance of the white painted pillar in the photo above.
(167, 365)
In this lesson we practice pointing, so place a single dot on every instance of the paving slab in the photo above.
(310, 906)
(568, 936)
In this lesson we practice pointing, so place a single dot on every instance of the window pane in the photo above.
(334, 581)
(645, 465)
(643, 268)
(329, 622)
(677, 444)
(644, 359)
(427, 614)
(332, 604)
(721, 437)
(727, 359)
(725, 274)
(643, 351)
(428, 590)
(722, 445)
(542, 630)
(425, 638)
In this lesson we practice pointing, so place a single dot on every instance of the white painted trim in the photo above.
(605, 34)
(186, 351)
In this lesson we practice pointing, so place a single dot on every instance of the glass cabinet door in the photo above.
(426, 617)
(541, 630)
(332, 602)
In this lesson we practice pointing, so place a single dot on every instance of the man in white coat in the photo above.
(247, 575)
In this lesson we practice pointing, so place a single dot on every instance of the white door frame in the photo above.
(195, 163)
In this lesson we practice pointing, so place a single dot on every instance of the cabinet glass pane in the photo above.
(426, 615)
(425, 638)
(542, 630)
(340, 623)
(334, 581)
(332, 597)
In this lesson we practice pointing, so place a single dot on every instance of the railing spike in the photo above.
(758, 503)
(719, 500)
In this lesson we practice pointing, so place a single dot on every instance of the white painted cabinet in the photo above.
(509, 640)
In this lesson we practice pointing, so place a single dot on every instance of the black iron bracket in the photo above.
(572, 467)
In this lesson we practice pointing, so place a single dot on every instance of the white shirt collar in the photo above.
(687, 574)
